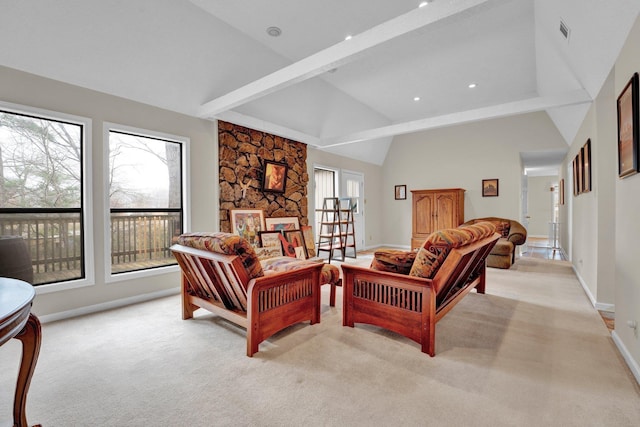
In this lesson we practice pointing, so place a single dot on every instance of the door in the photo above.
(352, 186)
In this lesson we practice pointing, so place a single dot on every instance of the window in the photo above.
(325, 186)
(42, 186)
(146, 198)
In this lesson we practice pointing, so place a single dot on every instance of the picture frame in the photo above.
(575, 175)
(287, 248)
(627, 108)
(309, 240)
(490, 188)
(268, 252)
(580, 171)
(247, 223)
(275, 177)
(296, 239)
(561, 192)
(400, 192)
(270, 238)
(586, 166)
(282, 223)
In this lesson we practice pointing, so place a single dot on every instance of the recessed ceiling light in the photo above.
(423, 4)
(348, 37)
(416, 98)
(472, 85)
(274, 31)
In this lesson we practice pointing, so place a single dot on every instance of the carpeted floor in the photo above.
(531, 352)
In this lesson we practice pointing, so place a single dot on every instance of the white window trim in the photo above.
(186, 205)
(87, 205)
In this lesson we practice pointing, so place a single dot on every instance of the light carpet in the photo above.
(530, 352)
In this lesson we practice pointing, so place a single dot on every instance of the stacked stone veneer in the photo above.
(242, 152)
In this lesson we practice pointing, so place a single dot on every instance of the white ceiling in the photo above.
(214, 59)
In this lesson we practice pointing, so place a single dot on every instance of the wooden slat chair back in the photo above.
(411, 306)
(263, 305)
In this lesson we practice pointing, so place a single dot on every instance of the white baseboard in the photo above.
(106, 305)
(597, 305)
(633, 365)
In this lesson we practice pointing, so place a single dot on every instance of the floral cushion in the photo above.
(481, 229)
(428, 261)
(393, 261)
(227, 244)
(328, 274)
(503, 227)
(438, 245)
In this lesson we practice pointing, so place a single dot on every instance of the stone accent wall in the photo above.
(242, 152)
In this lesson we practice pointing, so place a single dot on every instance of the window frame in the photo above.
(86, 206)
(186, 191)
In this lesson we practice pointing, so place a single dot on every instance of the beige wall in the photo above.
(461, 157)
(25, 89)
(627, 226)
(373, 198)
(600, 230)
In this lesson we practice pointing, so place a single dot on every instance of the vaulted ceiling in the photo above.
(215, 59)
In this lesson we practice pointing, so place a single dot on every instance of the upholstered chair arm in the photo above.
(517, 233)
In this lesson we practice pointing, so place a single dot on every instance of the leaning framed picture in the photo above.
(489, 188)
(282, 223)
(309, 241)
(297, 241)
(274, 177)
(247, 223)
(628, 129)
(270, 238)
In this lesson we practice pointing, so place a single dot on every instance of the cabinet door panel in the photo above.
(446, 213)
(424, 214)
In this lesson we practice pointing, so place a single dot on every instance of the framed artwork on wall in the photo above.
(247, 223)
(561, 192)
(580, 167)
(628, 129)
(575, 176)
(586, 166)
(490, 188)
(400, 192)
(274, 177)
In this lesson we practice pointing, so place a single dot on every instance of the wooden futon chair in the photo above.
(409, 292)
(222, 274)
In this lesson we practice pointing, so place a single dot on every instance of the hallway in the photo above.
(539, 247)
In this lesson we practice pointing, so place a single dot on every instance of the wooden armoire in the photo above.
(434, 210)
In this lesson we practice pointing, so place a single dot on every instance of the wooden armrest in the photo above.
(352, 272)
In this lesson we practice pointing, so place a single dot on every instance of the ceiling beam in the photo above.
(338, 54)
(269, 127)
(541, 103)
